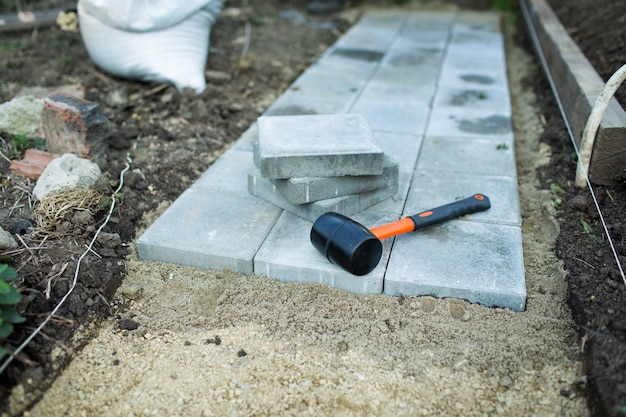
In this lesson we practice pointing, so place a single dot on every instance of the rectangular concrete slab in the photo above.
(317, 146)
(431, 189)
(288, 255)
(308, 190)
(398, 117)
(467, 156)
(209, 230)
(479, 97)
(479, 262)
(471, 123)
(229, 173)
(347, 205)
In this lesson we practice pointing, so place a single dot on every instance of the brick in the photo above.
(73, 125)
(33, 164)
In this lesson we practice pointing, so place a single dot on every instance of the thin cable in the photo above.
(542, 58)
(593, 123)
(75, 280)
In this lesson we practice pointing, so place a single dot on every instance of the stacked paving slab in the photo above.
(433, 89)
(310, 165)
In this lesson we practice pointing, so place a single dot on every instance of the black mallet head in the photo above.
(346, 243)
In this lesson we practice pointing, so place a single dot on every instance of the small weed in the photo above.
(592, 298)
(10, 45)
(502, 146)
(588, 230)
(555, 190)
(256, 21)
(21, 143)
(507, 6)
(620, 410)
(9, 296)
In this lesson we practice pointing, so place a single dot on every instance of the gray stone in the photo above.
(21, 116)
(7, 241)
(66, 171)
(317, 146)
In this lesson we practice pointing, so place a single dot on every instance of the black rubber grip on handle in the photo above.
(469, 205)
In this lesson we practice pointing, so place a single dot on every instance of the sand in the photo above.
(224, 344)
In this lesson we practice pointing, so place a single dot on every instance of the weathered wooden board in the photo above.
(577, 85)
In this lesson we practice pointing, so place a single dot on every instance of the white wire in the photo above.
(542, 58)
(75, 280)
(593, 123)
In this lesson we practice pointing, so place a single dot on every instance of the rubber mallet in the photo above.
(358, 249)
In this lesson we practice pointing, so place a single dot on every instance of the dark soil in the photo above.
(172, 137)
(596, 287)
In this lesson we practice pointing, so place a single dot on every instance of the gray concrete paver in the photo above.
(433, 89)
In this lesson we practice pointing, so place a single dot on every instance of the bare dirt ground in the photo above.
(140, 338)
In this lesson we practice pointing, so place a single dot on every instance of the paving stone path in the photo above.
(432, 87)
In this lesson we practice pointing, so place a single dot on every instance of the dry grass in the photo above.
(61, 205)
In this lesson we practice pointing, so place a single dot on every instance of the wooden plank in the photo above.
(28, 20)
(577, 85)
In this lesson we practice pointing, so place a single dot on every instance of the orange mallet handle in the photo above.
(469, 205)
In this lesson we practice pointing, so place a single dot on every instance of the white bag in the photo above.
(150, 40)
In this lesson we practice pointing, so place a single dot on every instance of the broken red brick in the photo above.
(33, 164)
(73, 125)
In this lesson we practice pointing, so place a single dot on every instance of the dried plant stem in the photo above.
(75, 280)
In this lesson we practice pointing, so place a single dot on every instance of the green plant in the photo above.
(507, 6)
(9, 296)
(588, 230)
(555, 190)
(502, 146)
(21, 143)
(620, 410)
(10, 45)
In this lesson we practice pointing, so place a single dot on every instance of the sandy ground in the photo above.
(219, 343)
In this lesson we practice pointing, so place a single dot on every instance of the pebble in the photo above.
(217, 77)
(6, 240)
(579, 202)
(109, 240)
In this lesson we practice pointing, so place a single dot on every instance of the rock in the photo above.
(82, 218)
(6, 240)
(73, 125)
(128, 324)
(109, 240)
(117, 98)
(217, 77)
(579, 202)
(21, 116)
(66, 171)
(22, 227)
